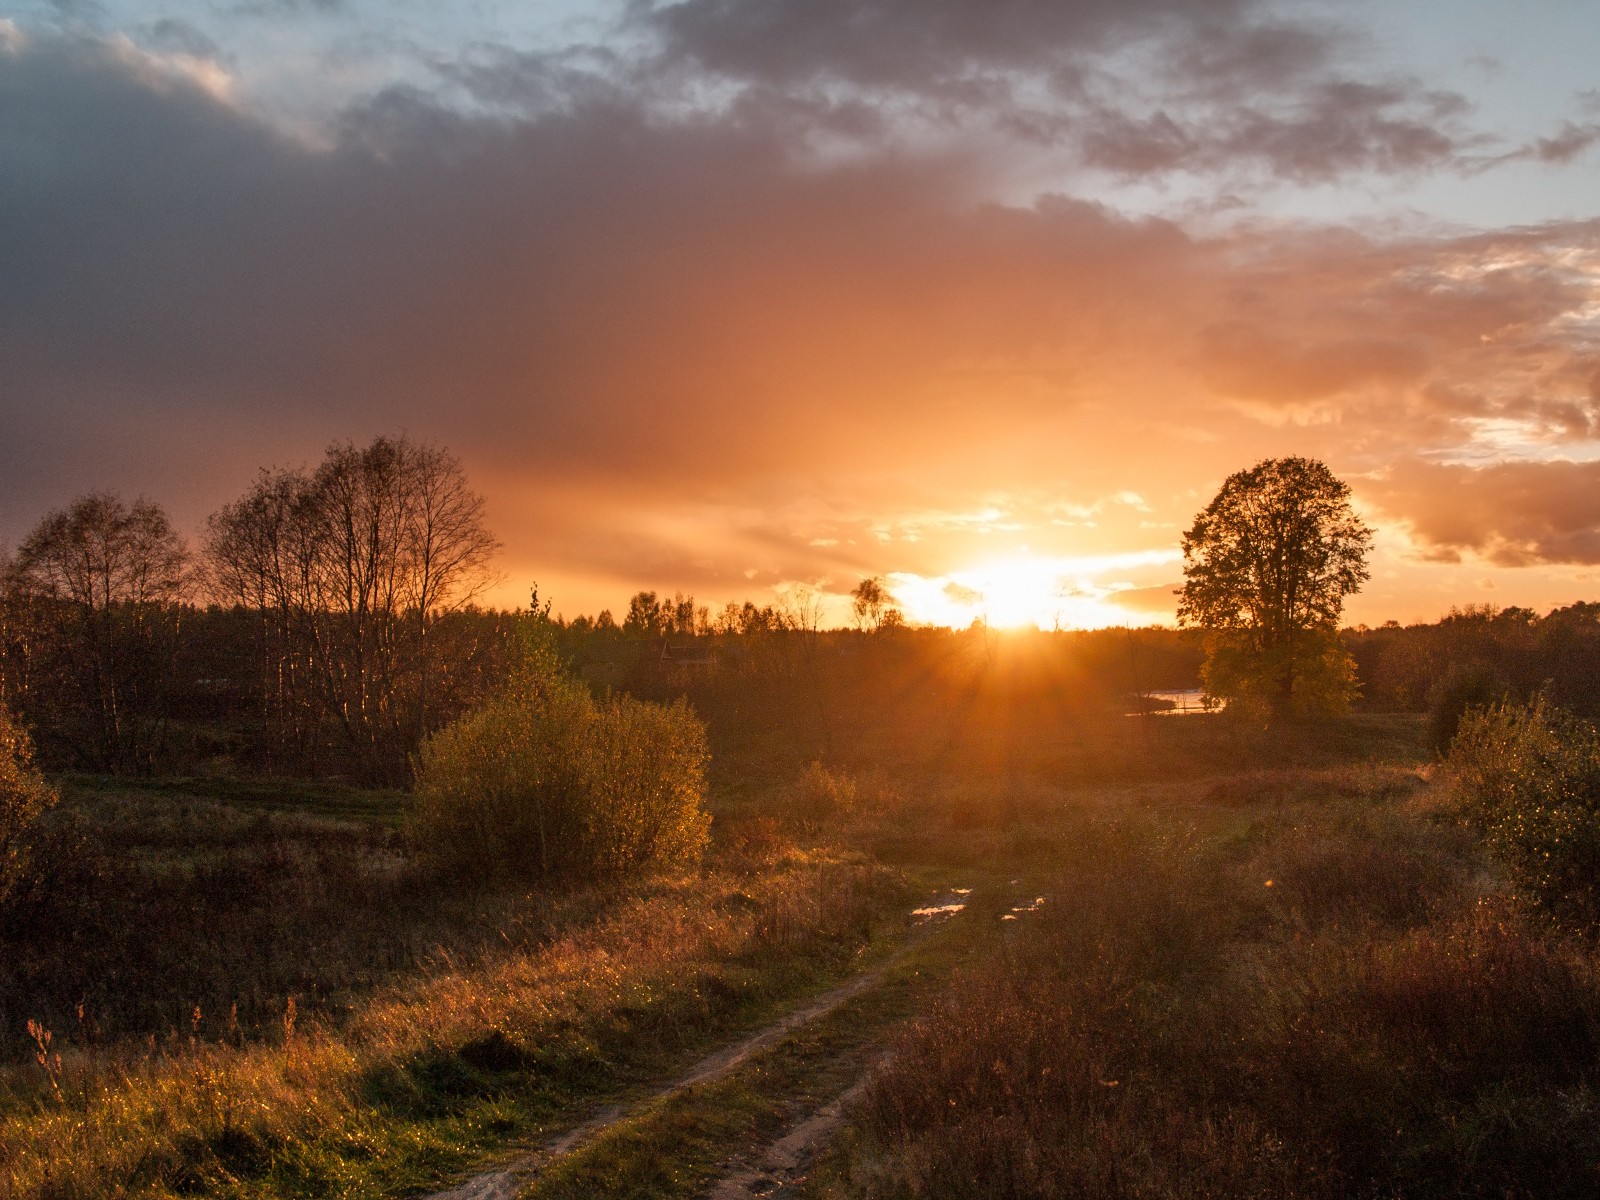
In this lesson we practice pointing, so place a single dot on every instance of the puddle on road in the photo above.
(949, 905)
(1038, 902)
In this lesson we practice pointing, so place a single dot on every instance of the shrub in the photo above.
(641, 785)
(1147, 1033)
(1463, 687)
(24, 796)
(550, 779)
(823, 796)
(1527, 777)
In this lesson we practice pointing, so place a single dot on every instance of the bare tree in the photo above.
(259, 553)
(801, 605)
(351, 566)
(100, 585)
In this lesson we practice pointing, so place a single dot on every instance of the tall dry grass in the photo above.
(1317, 1003)
(321, 1108)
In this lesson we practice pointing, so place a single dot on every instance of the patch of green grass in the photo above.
(386, 806)
(438, 1115)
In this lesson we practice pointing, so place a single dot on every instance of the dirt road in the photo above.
(505, 1182)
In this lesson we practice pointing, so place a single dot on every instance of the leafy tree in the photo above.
(1267, 566)
(747, 620)
(652, 617)
(1460, 689)
(647, 616)
(873, 606)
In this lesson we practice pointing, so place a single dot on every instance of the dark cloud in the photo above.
(597, 300)
(1328, 131)
(1217, 60)
(173, 34)
(908, 44)
(1344, 126)
(1513, 514)
(1215, 87)
(286, 8)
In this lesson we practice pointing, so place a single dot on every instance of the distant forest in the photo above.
(201, 689)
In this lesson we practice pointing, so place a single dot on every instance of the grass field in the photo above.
(1263, 965)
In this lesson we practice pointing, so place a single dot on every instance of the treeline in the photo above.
(322, 626)
(325, 624)
(1485, 652)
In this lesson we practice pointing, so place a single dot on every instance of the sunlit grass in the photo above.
(426, 1075)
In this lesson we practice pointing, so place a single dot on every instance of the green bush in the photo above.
(1527, 777)
(547, 778)
(24, 796)
(1324, 675)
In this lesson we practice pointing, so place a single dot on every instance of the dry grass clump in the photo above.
(1299, 785)
(1168, 1025)
(833, 800)
(822, 796)
(752, 843)
(1360, 866)
(617, 986)
(130, 919)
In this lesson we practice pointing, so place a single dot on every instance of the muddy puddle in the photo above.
(947, 905)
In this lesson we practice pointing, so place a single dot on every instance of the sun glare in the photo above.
(1023, 591)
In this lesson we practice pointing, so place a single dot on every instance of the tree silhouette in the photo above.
(1267, 566)
(100, 584)
(870, 601)
(349, 568)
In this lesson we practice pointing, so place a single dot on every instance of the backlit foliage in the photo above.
(96, 592)
(24, 796)
(1528, 778)
(348, 570)
(1266, 568)
(548, 779)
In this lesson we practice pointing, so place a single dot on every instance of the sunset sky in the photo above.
(717, 296)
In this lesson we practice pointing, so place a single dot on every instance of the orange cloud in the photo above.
(1514, 514)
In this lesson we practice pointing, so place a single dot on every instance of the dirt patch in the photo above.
(787, 1161)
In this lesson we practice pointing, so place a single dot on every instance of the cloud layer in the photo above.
(757, 300)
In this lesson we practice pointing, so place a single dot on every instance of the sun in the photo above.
(1019, 591)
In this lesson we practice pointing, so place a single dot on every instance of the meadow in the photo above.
(1193, 957)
